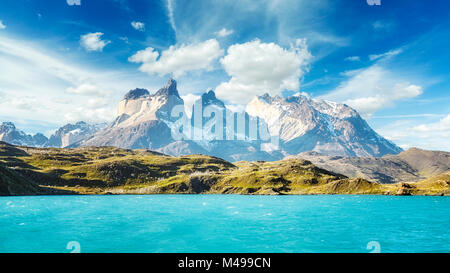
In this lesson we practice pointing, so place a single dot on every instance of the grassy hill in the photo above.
(109, 170)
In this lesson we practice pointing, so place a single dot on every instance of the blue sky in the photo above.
(69, 60)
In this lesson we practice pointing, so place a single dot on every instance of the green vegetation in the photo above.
(109, 170)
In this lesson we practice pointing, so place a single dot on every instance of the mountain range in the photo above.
(270, 128)
(64, 137)
(275, 141)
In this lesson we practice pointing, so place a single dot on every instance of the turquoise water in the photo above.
(224, 223)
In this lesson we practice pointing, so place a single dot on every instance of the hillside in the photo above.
(109, 170)
(12, 183)
(427, 163)
(409, 166)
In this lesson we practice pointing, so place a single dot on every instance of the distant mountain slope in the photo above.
(65, 136)
(9, 133)
(322, 126)
(427, 163)
(72, 133)
(408, 166)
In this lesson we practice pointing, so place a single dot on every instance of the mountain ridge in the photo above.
(270, 128)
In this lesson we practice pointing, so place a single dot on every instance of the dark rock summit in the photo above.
(136, 93)
(169, 90)
(209, 98)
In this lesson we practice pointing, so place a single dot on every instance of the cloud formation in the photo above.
(224, 32)
(93, 41)
(170, 9)
(177, 60)
(371, 89)
(428, 134)
(388, 54)
(59, 85)
(440, 128)
(138, 26)
(256, 68)
(86, 89)
(2, 26)
(353, 59)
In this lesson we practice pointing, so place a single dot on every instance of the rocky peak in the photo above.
(169, 90)
(10, 134)
(265, 97)
(81, 123)
(7, 126)
(136, 93)
(298, 98)
(210, 98)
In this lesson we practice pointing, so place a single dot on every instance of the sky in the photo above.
(63, 61)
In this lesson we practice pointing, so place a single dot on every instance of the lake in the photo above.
(224, 223)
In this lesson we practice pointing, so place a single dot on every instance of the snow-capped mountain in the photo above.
(299, 124)
(227, 134)
(269, 129)
(325, 127)
(142, 121)
(9, 133)
(65, 136)
(71, 134)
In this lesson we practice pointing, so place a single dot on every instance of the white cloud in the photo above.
(2, 26)
(189, 101)
(256, 68)
(74, 2)
(224, 32)
(177, 60)
(138, 26)
(93, 41)
(427, 134)
(353, 59)
(442, 128)
(299, 94)
(388, 54)
(373, 88)
(382, 25)
(237, 108)
(40, 85)
(170, 9)
(88, 114)
(125, 39)
(86, 89)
